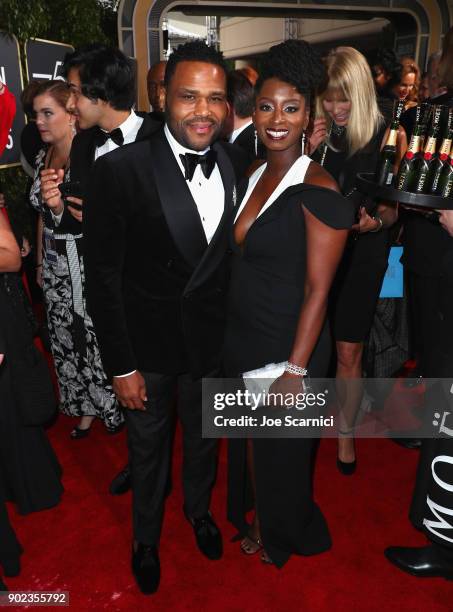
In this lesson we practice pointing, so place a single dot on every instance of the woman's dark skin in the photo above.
(283, 111)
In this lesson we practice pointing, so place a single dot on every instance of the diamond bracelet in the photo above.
(292, 368)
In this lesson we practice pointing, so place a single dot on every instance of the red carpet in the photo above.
(82, 546)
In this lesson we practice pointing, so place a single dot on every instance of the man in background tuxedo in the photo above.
(242, 102)
(102, 80)
(155, 83)
(156, 266)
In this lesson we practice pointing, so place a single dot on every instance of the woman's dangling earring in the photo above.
(303, 142)
(256, 142)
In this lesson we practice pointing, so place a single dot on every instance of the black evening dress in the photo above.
(29, 470)
(359, 278)
(265, 297)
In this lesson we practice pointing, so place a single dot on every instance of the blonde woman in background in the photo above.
(352, 131)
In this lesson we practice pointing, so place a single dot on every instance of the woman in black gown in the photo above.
(347, 104)
(287, 240)
(29, 470)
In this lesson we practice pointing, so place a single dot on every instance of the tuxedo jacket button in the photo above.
(170, 263)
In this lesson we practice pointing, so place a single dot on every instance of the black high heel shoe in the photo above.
(347, 468)
(78, 434)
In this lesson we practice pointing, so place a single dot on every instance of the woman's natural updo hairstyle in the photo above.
(295, 62)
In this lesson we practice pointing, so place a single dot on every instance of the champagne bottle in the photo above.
(407, 173)
(445, 184)
(385, 168)
(444, 152)
(426, 162)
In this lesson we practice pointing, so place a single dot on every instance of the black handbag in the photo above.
(32, 387)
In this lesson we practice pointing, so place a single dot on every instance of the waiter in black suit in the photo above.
(156, 265)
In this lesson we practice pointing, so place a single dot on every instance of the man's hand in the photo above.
(2, 356)
(366, 223)
(446, 220)
(317, 136)
(51, 196)
(130, 391)
(77, 214)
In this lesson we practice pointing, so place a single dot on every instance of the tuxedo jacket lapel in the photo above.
(82, 155)
(179, 208)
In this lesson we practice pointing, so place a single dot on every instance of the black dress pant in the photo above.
(150, 436)
(432, 504)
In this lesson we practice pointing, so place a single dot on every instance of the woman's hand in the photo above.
(366, 223)
(284, 387)
(51, 196)
(318, 135)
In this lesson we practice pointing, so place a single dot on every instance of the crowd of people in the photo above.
(217, 234)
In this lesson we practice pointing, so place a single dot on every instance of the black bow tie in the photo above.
(206, 161)
(115, 135)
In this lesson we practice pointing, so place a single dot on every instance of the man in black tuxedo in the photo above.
(102, 80)
(156, 266)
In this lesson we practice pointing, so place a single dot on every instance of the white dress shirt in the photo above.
(239, 130)
(208, 194)
(129, 128)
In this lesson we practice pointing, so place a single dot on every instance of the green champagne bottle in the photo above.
(427, 161)
(384, 173)
(445, 184)
(407, 173)
(444, 152)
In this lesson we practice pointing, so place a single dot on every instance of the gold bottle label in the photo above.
(430, 148)
(414, 146)
(444, 150)
(392, 138)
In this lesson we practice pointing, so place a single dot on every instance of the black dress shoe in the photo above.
(423, 562)
(208, 536)
(121, 483)
(3, 586)
(410, 443)
(146, 568)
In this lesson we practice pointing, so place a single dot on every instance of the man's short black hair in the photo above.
(105, 73)
(194, 51)
(241, 94)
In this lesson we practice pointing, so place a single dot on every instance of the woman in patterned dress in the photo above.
(84, 391)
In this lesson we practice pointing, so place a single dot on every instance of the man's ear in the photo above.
(162, 96)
